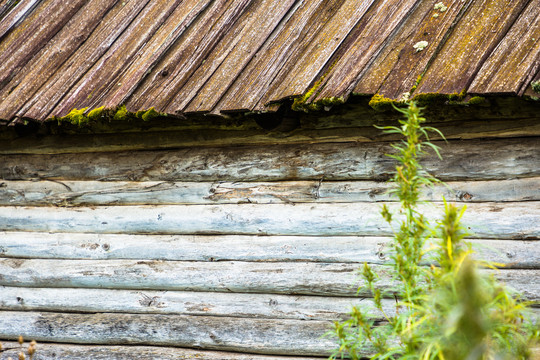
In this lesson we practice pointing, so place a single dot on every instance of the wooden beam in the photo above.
(76, 193)
(463, 160)
(485, 220)
(514, 254)
(303, 278)
(263, 336)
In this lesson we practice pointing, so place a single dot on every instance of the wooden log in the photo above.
(263, 336)
(483, 220)
(303, 278)
(76, 193)
(345, 249)
(261, 306)
(126, 352)
(463, 160)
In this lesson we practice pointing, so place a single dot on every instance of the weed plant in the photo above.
(448, 310)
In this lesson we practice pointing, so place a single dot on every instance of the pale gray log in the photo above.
(485, 220)
(266, 306)
(69, 193)
(262, 336)
(48, 351)
(346, 249)
(463, 160)
(333, 279)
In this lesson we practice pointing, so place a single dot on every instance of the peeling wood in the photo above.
(515, 60)
(286, 337)
(463, 160)
(287, 278)
(127, 352)
(77, 193)
(514, 254)
(484, 220)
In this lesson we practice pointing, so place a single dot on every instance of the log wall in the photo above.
(236, 252)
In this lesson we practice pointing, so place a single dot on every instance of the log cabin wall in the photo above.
(238, 251)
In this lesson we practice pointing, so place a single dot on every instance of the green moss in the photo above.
(381, 103)
(95, 114)
(536, 86)
(75, 116)
(121, 114)
(477, 100)
(150, 114)
(434, 98)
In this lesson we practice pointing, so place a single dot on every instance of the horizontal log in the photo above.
(514, 254)
(303, 278)
(463, 160)
(263, 306)
(128, 352)
(262, 336)
(484, 220)
(76, 193)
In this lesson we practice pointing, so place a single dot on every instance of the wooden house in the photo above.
(201, 178)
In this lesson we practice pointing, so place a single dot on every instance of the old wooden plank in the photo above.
(374, 30)
(259, 306)
(289, 39)
(316, 50)
(287, 278)
(127, 352)
(512, 65)
(108, 71)
(229, 58)
(485, 220)
(263, 336)
(18, 47)
(173, 28)
(184, 58)
(411, 64)
(472, 40)
(513, 254)
(463, 160)
(99, 42)
(38, 70)
(12, 13)
(160, 136)
(76, 193)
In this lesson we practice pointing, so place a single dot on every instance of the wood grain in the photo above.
(287, 278)
(463, 160)
(513, 254)
(484, 220)
(287, 337)
(77, 193)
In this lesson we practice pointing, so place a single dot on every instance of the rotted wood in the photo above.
(471, 41)
(513, 254)
(372, 33)
(18, 47)
(287, 278)
(263, 336)
(484, 220)
(256, 306)
(43, 66)
(187, 55)
(127, 352)
(113, 24)
(463, 160)
(515, 60)
(77, 193)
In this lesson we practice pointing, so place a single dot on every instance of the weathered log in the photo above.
(484, 220)
(126, 352)
(513, 254)
(304, 278)
(263, 336)
(263, 306)
(70, 193)
(463, 160)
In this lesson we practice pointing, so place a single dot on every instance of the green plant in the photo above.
(446, 311)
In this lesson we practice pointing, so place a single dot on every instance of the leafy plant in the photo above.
(446, 311)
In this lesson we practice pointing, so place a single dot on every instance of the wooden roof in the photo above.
(217, 56)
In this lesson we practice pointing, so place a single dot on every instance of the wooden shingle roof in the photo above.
(218, 56)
